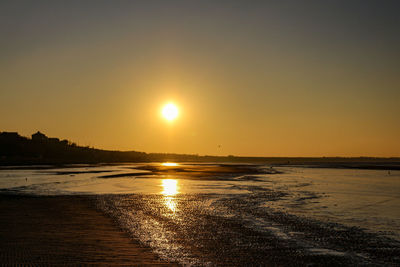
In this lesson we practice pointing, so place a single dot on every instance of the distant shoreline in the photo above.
(348, 164)
(16, 150)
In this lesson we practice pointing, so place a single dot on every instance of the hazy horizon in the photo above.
(278, 78)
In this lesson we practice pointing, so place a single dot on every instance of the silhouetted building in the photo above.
(9, 136)
(39, 136)
(64, 142)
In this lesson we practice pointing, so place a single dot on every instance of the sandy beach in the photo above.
(199, 215)
(65, 230)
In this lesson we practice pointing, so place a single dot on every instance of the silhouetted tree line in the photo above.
(40, 149)
(16, 149)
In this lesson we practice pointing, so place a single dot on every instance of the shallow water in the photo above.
(366, 198)
(234, 214)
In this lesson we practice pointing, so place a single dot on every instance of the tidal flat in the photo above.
(205, 214)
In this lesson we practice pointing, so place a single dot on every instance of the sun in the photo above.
(170, 112)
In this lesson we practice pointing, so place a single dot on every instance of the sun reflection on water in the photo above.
(170, 189)
(169, 164)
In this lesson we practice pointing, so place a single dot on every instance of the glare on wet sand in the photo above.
(170, 187)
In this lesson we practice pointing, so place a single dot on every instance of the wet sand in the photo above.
(235, 230)
(64, 230)
(208, 214)
(217, 172)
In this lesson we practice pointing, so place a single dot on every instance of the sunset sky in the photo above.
(251, 78)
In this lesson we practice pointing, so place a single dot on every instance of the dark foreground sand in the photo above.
(64, 230)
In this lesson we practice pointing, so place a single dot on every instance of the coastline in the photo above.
(65, 230)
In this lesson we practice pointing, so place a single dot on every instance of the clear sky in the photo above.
(256, 78)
